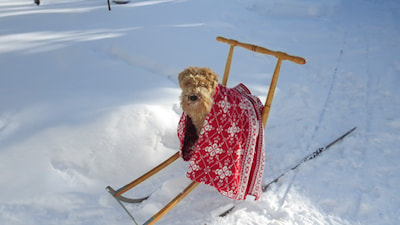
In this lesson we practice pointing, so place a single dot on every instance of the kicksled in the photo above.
(118, 194)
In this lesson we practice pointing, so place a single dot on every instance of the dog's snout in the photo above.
(193, 98)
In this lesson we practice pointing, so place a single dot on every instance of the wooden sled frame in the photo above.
(267, 106)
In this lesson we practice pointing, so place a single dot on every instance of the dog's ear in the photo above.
(212, 77)
(182, 75)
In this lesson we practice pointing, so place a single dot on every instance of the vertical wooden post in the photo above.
(227, 66)
(271, 92)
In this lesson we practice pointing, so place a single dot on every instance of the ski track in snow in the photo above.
(332, 84)
(89, 98)
(321, 115)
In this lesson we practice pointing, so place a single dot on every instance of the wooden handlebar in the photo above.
(255, 48)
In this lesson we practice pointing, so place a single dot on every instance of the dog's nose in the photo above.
(193, 98)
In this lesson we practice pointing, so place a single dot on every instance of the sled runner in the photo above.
(117, 194)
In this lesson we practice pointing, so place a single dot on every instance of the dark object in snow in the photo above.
(37, 2)
(121, 1)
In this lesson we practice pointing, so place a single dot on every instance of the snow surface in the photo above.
(89, 98)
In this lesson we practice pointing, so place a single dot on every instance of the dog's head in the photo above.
(198, 88)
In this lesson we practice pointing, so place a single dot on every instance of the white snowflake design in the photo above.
(224, 105)
(213, 150)
(193, 167)
(224, 172)
(233, 130)
(206, 127)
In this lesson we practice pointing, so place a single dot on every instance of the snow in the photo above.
(89, 98)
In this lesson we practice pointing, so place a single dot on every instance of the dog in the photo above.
(221, 134)
(198, 86)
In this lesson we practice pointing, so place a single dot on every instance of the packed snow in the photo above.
(89, 98)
